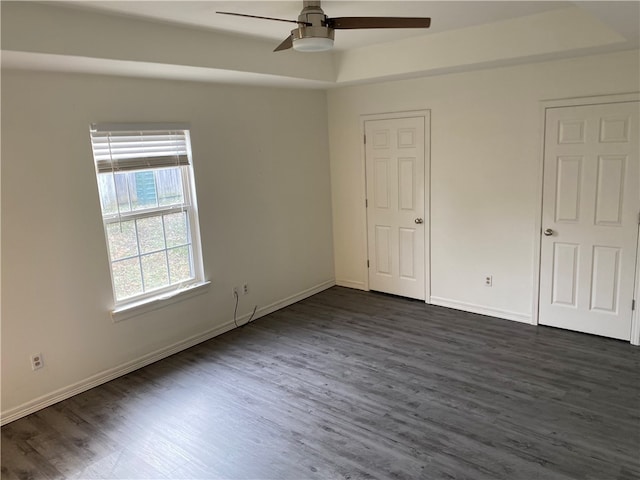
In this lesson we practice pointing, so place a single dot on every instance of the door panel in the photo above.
(395, 158)
(609, 198)
(407, 253)
(565, 274)
(382, 264)
(604, 279)
(591, 201)
(406, 183)
(381, 183)
(568, 182)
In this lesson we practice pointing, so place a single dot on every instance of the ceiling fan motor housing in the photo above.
(312, 26)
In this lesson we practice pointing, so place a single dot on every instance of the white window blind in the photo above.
(130, 147)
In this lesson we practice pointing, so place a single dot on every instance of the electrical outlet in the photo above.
(488, 281)
(236, 292)
(36, 361)
(245, 289)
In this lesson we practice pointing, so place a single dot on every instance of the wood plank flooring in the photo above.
(353, 385)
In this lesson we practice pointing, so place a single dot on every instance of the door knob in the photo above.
(548, 232)
(418, 220)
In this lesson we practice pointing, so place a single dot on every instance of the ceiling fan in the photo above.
(315, 31)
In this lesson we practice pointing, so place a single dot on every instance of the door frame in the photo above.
(635, 317)
(426, 114)
(537, 265)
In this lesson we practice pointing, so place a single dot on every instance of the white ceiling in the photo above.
(445, 15)
(187, 40)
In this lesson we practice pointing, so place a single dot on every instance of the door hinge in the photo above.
(367, 263)
(633, 304)
(366, 203)
(364, 138)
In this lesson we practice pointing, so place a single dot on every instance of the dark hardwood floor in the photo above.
(353, 385)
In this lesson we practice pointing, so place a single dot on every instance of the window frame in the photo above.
(140, 303)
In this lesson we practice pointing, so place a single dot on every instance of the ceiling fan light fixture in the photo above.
(313, 44)
(312, 38)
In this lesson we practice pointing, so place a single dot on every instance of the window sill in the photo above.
(154, 303)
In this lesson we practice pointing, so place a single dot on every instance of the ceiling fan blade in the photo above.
(288, 43)
(344, 23)
(265, 18)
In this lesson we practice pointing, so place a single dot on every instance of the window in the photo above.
(147, 194)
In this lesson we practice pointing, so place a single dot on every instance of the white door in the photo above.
(395, 159)
(591, 200)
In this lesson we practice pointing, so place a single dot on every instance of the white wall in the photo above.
(485, 167)
(262, 178)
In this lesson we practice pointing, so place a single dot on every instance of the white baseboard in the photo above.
(351, 284)
(482, 310)
(113, 373)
